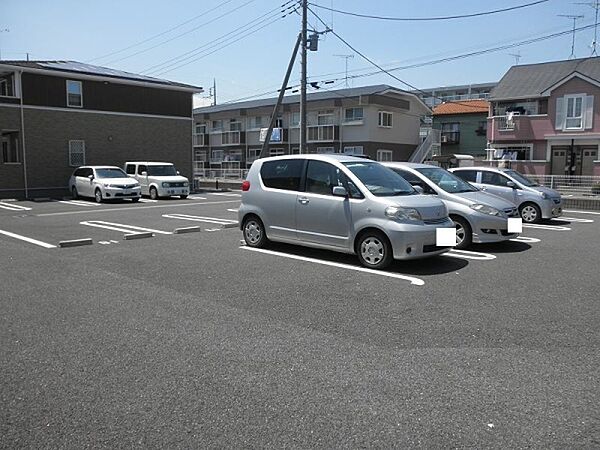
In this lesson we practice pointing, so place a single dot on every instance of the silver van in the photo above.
(535, 202)
(479, 217)
(158, 179)
(340, 203)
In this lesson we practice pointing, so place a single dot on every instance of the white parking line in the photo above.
(227, 194)
(26, 239)
(466, 254)
(526, 239)
(540, 226)
(78, 203)
(581, 212)
(574, 219)
(147, 200)
(232, 210)
(120, 227)
(413, 280)
(197, 198)
(13, 207)
(216, 220)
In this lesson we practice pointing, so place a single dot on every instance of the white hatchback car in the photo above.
(103, 183)
(158, 179)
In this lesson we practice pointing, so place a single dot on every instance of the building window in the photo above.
(481, 128)
(356, 150)
(200, 128)
(76, 153)
(233, 155)
(217, 125)
(74, 94)
(511, 152)
(325, 117)
(353, 115)
(325, 150)
(7, 86)
(574, 112)
(276, 152)
(295, 150)
(253, 154)
(295, 119)
(256, 122)
(278, 123)
(385, 119)
(10, 148)
(235, 125)
(450, 133)
(384, 155)
(217, 156)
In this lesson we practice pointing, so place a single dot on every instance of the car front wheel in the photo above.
(98, 196)
(530, 213)
(374, 250)
(464, 234)
(254, 232)
(153, 193)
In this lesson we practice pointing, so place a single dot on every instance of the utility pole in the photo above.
(596, 6)
(214, 91)
(346, 57)
(575, 19)
(303, 62)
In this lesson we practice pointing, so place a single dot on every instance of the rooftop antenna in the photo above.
(346, 57)
(574, 18)
(596, 6)
(517, 57)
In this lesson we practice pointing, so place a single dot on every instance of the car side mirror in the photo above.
(91, 177)
(419, 189)
(511, 184)
(144, 174)
(340, 191)
(178, 173)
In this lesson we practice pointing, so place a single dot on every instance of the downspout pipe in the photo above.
(26, 187)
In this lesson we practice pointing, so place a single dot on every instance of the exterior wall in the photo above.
(46, 90)
(575, 86)
(527, 128)
(109, 140)
(470, 143)
(11, 175)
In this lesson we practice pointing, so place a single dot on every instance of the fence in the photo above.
(566, 184)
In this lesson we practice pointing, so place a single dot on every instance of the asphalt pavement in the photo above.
(193, 340)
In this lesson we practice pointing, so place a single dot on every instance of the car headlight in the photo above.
(397, 212)
(107, 185)
(165, 184)
(545, 196)
(485, 209)
(185, 184)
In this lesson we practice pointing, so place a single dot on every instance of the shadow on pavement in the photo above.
(501, 247)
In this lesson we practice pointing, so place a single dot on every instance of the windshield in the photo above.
(110, 173)
(446, 180)
(520, 178)
(162, 171)
(380, 180)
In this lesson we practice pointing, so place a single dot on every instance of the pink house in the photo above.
(545, 118)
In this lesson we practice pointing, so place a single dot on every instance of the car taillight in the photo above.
(245, 186)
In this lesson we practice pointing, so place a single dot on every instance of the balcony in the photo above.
(519, 127)
(231, 138)
(322, 133)
(200, 140)
(450, 137)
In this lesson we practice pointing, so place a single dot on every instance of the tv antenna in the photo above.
(596, 6)
(517, 57)
(574, 18)
(346, 57)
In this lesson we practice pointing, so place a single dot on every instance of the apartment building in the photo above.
(57, 115)
(545, 118)
(379, 121)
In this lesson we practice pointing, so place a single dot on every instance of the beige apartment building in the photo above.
(379, 121)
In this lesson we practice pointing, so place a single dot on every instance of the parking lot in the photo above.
(195, 340)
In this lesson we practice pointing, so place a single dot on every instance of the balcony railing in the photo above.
(321, 133)
(505, 123)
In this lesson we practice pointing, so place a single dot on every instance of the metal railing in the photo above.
(425, 150)
(570, 184)
(503, 123)
(225, 174)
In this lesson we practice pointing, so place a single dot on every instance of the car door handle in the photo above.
(303, 200)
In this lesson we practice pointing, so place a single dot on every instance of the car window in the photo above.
(168, 170)
(447, 180)
(142, 169)
(110, 173)
(321, 177)
(282, 174)
(88, 172)
(493, 178)
(467, 175)
(380, 180)
(521, 178)
(414, 180)
(130, 169)
(78, 173)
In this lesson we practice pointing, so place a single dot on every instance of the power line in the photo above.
(412, 19)
(182, 34)
(198, 50)
(161, 33)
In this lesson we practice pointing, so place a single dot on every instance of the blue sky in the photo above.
(86, 30)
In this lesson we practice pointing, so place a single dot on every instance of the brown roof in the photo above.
(462, 107)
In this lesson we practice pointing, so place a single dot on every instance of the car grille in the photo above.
(511, 212)
(123, 186)
(435, 221)
(179, 184)
(556, 200)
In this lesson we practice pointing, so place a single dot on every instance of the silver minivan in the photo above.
(340, 203)
(479, 217)
(535, 202)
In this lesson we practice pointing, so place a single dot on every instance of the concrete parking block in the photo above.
(129, 237)
(230, 225)
(183, 230)
(75, 242)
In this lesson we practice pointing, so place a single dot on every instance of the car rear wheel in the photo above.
(153, 193)
(98, 196)
(374, 250)
(74, 193)
(530, 213)
(464, 233)
(254, 232)
(183, 197)
(135, 199)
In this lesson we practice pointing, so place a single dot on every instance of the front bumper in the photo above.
(414, 241)
(168, 191)
(489, 229)
(551, 208)
(121, 193)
